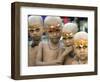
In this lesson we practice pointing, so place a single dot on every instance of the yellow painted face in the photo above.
(33, 28)
(82, 43)
(67, 35)
(54, 28)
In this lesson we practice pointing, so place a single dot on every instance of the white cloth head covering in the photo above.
(70, 27)
(81, 35)
(50, 20)
(35, 20)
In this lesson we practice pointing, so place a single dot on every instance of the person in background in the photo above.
(84, 25)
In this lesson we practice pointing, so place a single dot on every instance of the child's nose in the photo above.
(54, 33)
(82, 50)
(67, 41)
(34, 33)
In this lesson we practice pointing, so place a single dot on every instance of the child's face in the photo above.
(35, 32)
(67, 38)
(54, 33)
(81, 49)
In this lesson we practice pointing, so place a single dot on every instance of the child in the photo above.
(35, 25)
(68, 32)
(80, 48)
(48, 52)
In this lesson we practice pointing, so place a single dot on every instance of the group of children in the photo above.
(64, 46)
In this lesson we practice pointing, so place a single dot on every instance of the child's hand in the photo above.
(67, 50)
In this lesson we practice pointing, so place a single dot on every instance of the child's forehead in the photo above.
(81, 42)
(53, 23)
(35, 26)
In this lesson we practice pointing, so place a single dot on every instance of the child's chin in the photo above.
(82, 58)
(55, 41)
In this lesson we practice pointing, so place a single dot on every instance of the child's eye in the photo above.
(64, 38)
(84, 47)
(50, 31)
(70, 37)
(37, 29)
(78, 47)
(31, 30)
(57, 30)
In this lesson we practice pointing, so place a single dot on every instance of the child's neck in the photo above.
(53, 46)
(35, 43)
